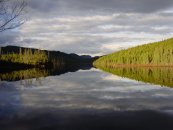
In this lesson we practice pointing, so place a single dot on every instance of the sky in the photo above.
(94, 27)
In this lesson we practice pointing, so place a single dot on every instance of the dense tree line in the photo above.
(39, 58)
(158, 53)
(35, 57)
(27, 56)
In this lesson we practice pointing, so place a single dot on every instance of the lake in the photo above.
(86, 99)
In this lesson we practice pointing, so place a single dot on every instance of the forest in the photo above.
(27, 56)
(153, 54)
(20, 57)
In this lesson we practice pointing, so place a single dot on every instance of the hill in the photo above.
(20, 56)
(153, 54)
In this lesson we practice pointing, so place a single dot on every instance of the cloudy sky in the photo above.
(94, 27)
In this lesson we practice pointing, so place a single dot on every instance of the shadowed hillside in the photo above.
(18, 57)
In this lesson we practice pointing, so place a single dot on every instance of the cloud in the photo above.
(87, 6)
(93, 27)
(9, 38)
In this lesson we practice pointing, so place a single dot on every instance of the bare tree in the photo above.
(11, 14)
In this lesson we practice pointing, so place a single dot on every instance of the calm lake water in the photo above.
(83, 100)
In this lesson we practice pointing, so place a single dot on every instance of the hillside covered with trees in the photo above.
(153, 54)
(28, 57)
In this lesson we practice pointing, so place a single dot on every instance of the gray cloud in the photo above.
(87, 6)
(92, 26)
(9, 38)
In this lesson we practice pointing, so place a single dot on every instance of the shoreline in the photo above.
(133, 65)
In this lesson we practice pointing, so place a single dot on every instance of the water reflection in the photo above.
(88, 90)
(86, 99)
(155, 75)
(17, 75)
(23, 74)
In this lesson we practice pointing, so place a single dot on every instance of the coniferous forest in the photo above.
(27, 56)
(154, 54)
(20, 57)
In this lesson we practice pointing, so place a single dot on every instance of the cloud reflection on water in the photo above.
(88, 90)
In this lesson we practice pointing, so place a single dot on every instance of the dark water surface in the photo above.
(83, 100)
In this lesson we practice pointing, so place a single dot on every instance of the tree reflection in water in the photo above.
(155, 75)
(36, 73)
